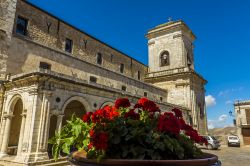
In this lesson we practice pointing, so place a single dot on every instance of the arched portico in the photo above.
(74, 105)
(13, 123)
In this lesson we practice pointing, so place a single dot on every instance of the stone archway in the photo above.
(106, 103)
(15, 126)
(73, 107)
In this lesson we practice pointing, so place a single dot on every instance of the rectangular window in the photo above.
(124, 88)
(68, 45)
(161, 99)
(99, 58)
(21, 26)
(121, 68)
(139, 75)
(44, 65)
(92, 79)
(145, 94)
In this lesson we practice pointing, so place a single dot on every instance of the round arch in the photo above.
(13, 102)
(80, 99)
(15, 109)
(74, 105)
(106, 103)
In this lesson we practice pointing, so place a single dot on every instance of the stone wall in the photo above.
(50, 31)
(7, 14)
(29, 58)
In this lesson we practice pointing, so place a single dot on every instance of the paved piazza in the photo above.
(232, 156)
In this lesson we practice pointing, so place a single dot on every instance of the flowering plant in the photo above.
(125, 132)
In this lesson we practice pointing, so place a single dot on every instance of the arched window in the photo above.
(99, 58)
(164, 58)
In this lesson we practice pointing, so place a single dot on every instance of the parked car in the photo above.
(213, 143)
(233, 140)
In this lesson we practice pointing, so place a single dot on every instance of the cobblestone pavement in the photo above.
(232, 156)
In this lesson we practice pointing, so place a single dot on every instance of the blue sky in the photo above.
(222, 48)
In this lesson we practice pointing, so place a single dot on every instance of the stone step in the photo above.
(60, 163)
(51, 161)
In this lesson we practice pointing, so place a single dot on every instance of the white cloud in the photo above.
(218, 123)
(222, 118)
(210, 101)
(210, 124)
(226, 92)
(228, 102)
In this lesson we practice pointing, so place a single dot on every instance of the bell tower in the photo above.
(171, 67)
(170, 46)
(7, 17)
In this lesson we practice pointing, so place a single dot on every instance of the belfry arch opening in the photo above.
(15, 127)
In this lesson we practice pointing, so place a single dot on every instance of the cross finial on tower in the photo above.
(169, 19)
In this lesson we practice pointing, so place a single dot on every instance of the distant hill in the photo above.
(222, 133)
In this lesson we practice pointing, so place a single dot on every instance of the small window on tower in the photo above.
(68, 45)
(99, 58)
(121, 68)
(164, 59)
(21, 26)
(145, 94)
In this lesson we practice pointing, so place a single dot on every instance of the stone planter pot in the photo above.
(78, 159)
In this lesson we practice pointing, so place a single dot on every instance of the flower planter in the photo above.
(78, 159)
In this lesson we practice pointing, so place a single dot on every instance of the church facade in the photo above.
(50, 70)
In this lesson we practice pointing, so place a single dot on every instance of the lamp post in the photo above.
(234, 115)
(231, 113)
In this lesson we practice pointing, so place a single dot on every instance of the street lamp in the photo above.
(231, 113)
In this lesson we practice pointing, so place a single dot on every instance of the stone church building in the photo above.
(50, 70)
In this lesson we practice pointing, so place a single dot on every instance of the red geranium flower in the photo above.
(168, 123)
(181, 123)
(90, 145)
(177, 112)
(148, 105)
(87, 117)
(104, 114)
(132, 114)
(122, 102)
(100, 140)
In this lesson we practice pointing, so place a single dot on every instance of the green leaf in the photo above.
(76, 130)
(124, 152)
(116, 139)
(124, 131)
(156, 156)
(55, 151)
(139, 150)
(128, 137)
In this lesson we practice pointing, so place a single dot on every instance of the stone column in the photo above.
(59, 122)
(20, 142)
(6, 134)
(46, 135)
(43, 121)
(46, 127)
(31, 117)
